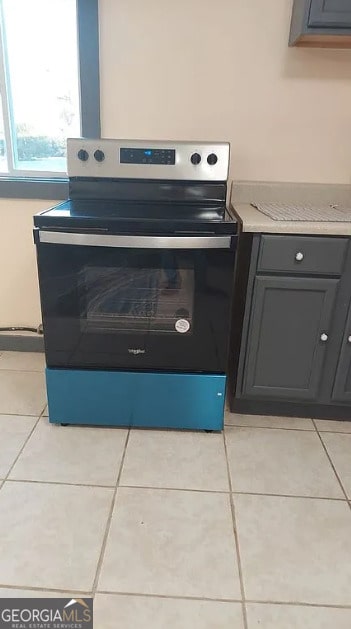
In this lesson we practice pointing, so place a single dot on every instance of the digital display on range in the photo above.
(147, 156)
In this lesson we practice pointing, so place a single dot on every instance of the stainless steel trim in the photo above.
(183, 169)
(138, 242)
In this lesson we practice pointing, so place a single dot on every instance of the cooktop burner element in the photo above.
(141, 186)
(115, 216)
(136, 277)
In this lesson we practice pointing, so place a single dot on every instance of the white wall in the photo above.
(204, 69)
(19, 293)
(221, 69)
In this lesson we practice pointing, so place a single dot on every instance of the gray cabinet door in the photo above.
(288, 337)
(342, 385)
(330, 13)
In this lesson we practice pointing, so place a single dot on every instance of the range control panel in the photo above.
(140, 159)
(147, 156)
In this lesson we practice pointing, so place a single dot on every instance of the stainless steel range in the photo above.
(136, 276)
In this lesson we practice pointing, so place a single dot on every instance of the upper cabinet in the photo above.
(321, 23)
(330, 14)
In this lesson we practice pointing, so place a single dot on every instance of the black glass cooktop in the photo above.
(116, 216)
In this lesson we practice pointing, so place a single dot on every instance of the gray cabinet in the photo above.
(288, 336)
(321, 23)
(302, 255)
(293, 352)
(330, 13)
(342, 384)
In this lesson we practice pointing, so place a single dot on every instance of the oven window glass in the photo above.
(127, 299)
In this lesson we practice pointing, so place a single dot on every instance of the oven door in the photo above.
(136, 302)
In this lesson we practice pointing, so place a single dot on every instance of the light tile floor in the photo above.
(249, 528)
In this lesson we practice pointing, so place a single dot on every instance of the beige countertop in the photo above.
(255, 221)
(243, 193)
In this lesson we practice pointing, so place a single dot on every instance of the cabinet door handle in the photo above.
(299, 256)
(349, 339)
(324, 337)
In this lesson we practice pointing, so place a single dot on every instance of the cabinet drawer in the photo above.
(302, 254)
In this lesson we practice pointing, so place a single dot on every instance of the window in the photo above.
(49, 84)
(127, 299)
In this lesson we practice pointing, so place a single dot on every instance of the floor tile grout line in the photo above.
(187, 489)
(33, 588)
(314, 429)
(89, 593)
(109, 520)
(24, 414)
(63, 483)
(222, 600)
(333, 466)
(297, 604)
(226, 426)
(156, 488)
(269, 427)
(170, 596)
(21, 450)
(23, 446)
(233, 491)
(334, 432)
(236, 538)
(270, 495)
(42, 412)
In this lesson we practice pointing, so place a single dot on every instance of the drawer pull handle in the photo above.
(299, 256)
(324, 337)
(349, 339)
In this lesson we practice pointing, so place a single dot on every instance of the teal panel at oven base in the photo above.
(149, 400)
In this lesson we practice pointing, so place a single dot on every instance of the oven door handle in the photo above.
(138, 242)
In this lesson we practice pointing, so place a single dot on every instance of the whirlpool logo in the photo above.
(51, 613)
(136, 351)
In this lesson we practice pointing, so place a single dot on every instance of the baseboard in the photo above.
(289, 409)
(21, 343)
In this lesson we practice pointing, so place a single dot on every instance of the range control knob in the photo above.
(212, 159)
(195, 158)
(83, 155)
(99, 155)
